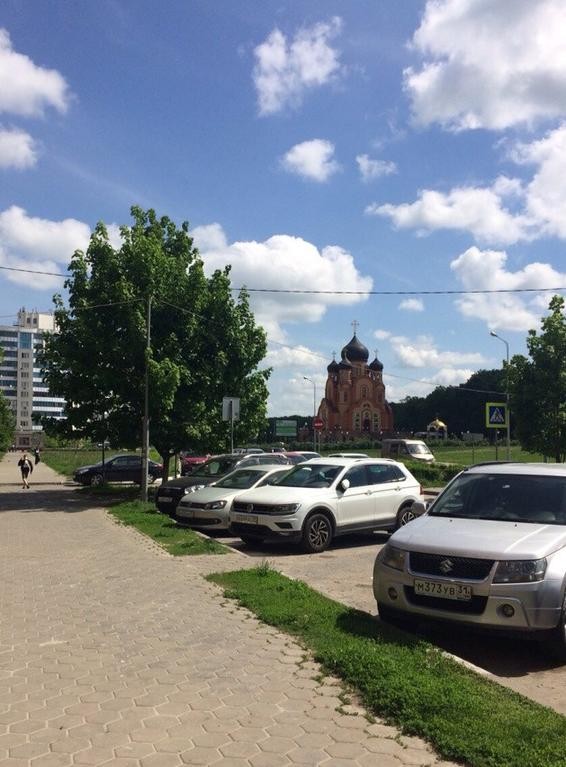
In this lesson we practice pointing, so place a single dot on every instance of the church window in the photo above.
(345, 397)
(376, 421)
(357, 422)
(364, 392)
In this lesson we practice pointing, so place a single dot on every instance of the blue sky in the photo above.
(361, 146)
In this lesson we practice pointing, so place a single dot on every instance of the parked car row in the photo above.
(119, 468)
(310, 503)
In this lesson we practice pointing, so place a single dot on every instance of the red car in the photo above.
(189, 460)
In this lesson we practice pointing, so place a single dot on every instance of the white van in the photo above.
(414, 449)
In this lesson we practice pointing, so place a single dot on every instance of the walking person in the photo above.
(26, 468)
(37, 455)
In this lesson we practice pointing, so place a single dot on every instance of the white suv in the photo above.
(327, 497)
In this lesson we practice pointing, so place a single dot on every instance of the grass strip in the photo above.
(404, 680)
(178, 541)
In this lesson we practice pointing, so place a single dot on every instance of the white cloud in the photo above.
(281, 355)
(371, 169)
(412, 305)
(382, 335)
(422, 353)
(451, 376)
(479, 269)
(283, 262)
(489, 64)
(285, 71)
(313, 160)
(477, 210)
(39, 237)
(25, 88)
(17, 149)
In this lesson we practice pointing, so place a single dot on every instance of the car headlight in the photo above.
(392, 557)
(215, 505)
(520, 571)
(193, 488)
(285, 508)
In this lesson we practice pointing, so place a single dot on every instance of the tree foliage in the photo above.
(204, 343)
(538, 387)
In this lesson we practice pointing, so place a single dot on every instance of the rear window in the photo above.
(311, 475)
(215, 467)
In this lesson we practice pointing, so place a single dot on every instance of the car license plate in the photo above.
(443, 590)
(164, 499)
(186, 513)
(250, 519)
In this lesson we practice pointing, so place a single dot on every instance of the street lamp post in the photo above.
(313, 410)
(494, 334)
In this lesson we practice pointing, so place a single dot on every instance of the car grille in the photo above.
(474, 606)
(194, 505)
(252, 508)
(446, 566)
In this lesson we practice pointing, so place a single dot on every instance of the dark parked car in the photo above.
(120, 468)
(171, 492)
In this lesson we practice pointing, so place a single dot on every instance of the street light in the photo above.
(313, 410)
(494, 334)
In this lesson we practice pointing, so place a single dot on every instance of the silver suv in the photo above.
(326, 497)
(490, 551)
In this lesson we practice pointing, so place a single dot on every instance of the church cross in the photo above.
(355, 325)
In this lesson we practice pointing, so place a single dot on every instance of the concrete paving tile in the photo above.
(8, 762)
(345, 750)
(269, 760)
(241, 749)
(93, 756)
(310, 756)
(220, 725)
(70, 745)
(28, 750)
(161, 760)
(51, 760)
(276, 745)
(381, 730)
(344, 735)
(385, 760)
(174, 745)
(249, 734)
(211, 739)
(200, 755)
(27, 726)
(134, 750)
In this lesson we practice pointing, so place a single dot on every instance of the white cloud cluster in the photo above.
(17, 149)
(38, 244)
(422, 353)
(312, 160)
(480, 211)
(283, 262)
(478, 269)
(285, 70)
(412, 305)
(371, 169)
(489, 63)
(26, 89)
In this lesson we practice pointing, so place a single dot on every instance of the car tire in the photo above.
(252, 540)
(317, 533)
(96, 480)
(555, 645)
(405, 515)
(396, 618)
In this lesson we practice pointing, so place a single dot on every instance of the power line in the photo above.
(296, 291)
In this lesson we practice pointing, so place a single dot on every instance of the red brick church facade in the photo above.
(354, 403)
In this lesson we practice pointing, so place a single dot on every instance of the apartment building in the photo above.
(20, 376)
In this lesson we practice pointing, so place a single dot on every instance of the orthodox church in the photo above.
(354, 402)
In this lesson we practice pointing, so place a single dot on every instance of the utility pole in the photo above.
(508, 430)
(145, 428)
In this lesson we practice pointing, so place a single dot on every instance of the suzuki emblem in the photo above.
(446, 566)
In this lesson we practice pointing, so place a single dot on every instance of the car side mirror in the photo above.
(344, 485)
(418, 508)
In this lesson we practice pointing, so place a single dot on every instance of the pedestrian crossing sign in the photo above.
(496, 415)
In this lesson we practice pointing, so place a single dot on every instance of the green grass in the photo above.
(466, 456)
(406, 681)
(176, 540)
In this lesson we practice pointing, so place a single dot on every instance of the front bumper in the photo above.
(268, 526)
(517, 607)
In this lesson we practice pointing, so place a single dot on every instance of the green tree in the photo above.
(204, 343)
(538, 387)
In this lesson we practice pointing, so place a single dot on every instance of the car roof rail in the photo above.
(489, 463)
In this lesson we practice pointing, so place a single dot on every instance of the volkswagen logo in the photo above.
(446, 566)
(249, 507)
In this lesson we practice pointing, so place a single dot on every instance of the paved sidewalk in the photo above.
(41, 474)
(112, 652)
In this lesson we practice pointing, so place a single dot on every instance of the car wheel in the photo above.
(317, 533)
(96, 480)
(405, 515)
(252, 540)
(556, 644)
(396, 618)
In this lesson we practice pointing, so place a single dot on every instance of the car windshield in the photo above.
(215, 467)
(310, 475)
(418, 449)
(241, 479)
(536, 499)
